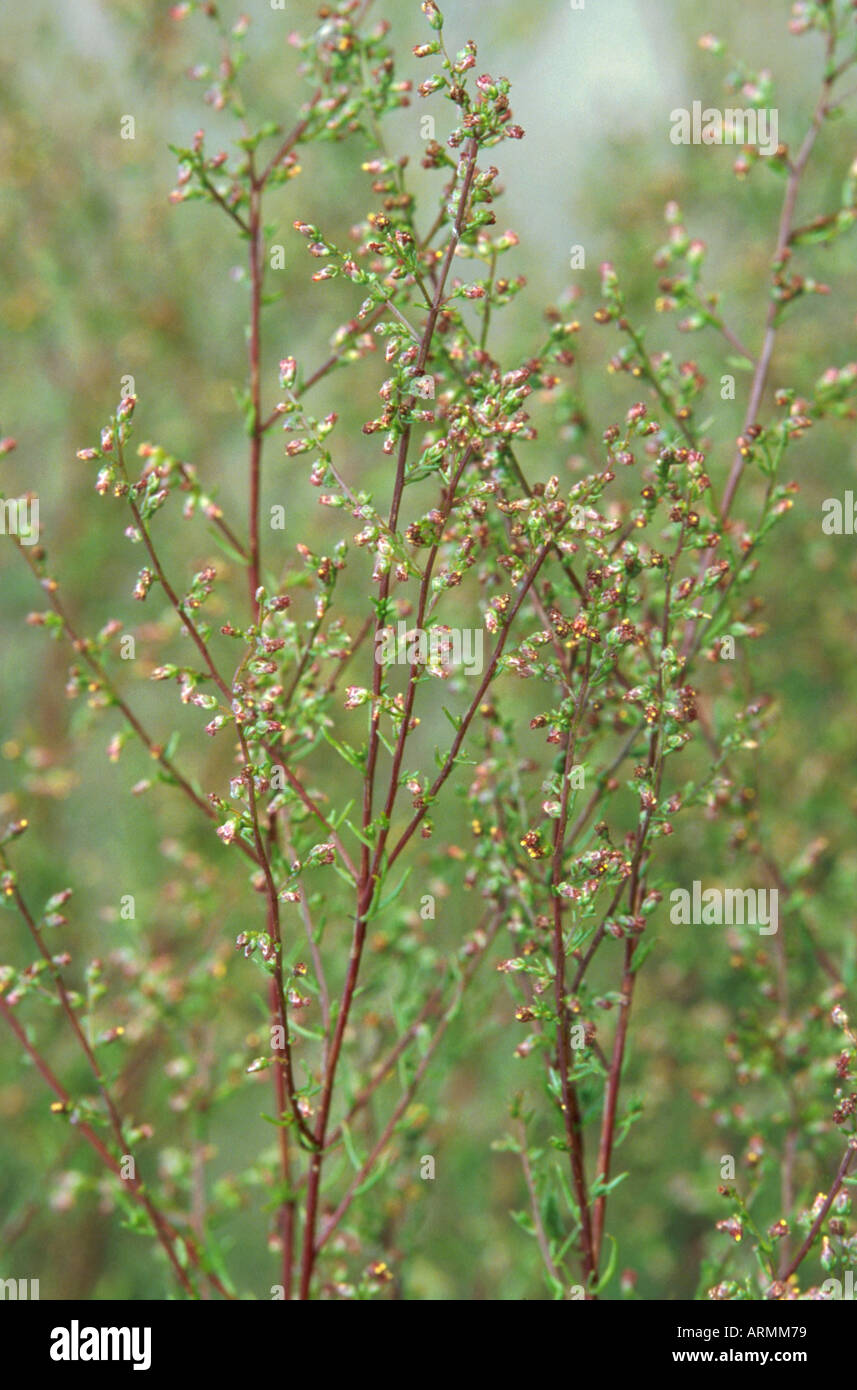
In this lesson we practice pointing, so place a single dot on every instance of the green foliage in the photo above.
(345, 777)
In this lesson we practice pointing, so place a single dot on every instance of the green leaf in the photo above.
(371, 1180)
(611, 1266)
(272, 1120)
(226, 546)
(557, 1289)
(213, 1258)
(346, 752)
(551, 1217)
(391, 897)
(172, 745)
(817, 236)
(364, 839)
(601, 1189)
(315, 1034)
(642, 952)
(524, 1220)
(349, 1147)
(136, 1219)
(280, 1192)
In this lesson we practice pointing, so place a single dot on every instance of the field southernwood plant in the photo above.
(568, 631)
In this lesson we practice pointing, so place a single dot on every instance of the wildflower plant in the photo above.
(607, 600)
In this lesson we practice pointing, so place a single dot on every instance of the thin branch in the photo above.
(538, 1224)
(841, 1175)
(388, 1130)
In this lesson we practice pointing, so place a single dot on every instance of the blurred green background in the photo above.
(101, 277)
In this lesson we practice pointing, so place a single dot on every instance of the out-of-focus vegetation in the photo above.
(101, 277)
